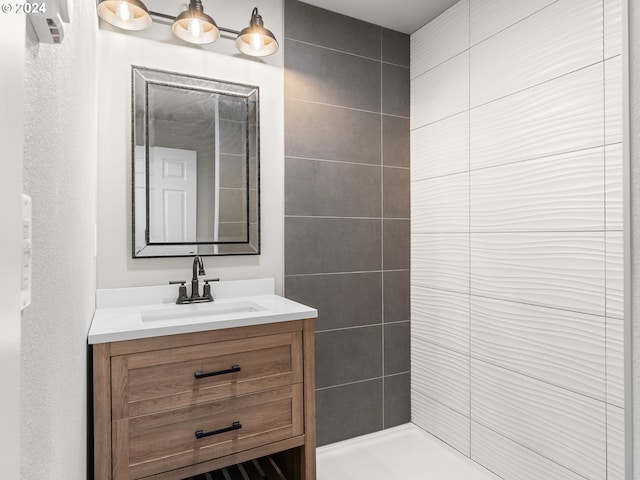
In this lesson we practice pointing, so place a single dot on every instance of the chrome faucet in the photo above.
(198, 269)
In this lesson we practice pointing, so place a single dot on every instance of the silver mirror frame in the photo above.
(141, 247)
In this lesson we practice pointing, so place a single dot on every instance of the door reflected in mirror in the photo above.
(195, 166)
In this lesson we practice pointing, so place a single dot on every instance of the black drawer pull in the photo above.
(234, 426)
(235, 368)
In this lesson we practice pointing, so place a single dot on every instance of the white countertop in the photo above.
(144, 312)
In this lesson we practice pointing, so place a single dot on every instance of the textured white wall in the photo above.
(59, 174)
(517, 318)
(634, 92)
(117, 52)
(11, 138)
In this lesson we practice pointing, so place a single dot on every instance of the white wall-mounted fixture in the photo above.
(192, 25)
(47, 17)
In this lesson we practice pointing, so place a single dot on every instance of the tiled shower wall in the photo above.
(516, 286)
(347, 212)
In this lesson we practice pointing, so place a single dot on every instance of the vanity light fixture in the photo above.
(192, 25)
(125, 14)
(255, 39)
(195, 26)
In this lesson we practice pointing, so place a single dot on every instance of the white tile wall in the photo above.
(558, 346)
(434, 43)
(530, 124)
(441, 92)
(440, 261)
(433, 153)
(449, 426)
(613, 174)
(558, 40)
(440, 317)
(615, 443)
(615, 364)
(441, 204)
(615, 275)
(441, 374)
(613, 99)
(489, 17)
(509, 459)
(562, 270)
(612, 28)
(557, 193)
(530, 289)
(563, 426)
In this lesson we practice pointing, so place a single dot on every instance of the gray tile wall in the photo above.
(347, 212)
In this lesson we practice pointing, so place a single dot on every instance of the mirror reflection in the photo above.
(195, 168)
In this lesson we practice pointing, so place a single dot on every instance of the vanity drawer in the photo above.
(164, 441)
(153, 381)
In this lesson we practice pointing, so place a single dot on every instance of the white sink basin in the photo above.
(199, 311)
(144, 312)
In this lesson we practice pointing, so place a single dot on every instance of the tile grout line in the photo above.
(346, 162)
(488, 232)
(499, 299)
(604, 174)
(368, 325)
(360, 272)
(469, 220)
(345, 52)
(332, 217)
(356, 382)
(344, 107)
(516, 162)
(382, 228)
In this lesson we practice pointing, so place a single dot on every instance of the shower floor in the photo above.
(401, 453)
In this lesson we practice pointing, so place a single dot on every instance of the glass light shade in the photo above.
(255, 40)
(125, 14)
(195, 26)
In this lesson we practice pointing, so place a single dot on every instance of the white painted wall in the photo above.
(11, 138)
(517, 288)
(59, 173)
(117, 52)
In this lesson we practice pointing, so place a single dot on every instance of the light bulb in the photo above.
(124, 11)
(257, 42)
(195, 27)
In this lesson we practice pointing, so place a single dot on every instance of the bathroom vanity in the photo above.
(180, 390)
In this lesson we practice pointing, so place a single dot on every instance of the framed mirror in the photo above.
(195, 166)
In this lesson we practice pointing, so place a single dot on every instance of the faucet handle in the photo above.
(206, 290)
(182, 290)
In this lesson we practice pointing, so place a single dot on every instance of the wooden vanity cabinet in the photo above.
(171, 407)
